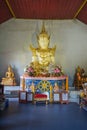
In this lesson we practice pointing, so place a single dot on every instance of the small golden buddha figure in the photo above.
(43, 56)
(56, 87)
(9, 77)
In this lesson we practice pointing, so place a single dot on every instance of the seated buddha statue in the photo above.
(43, 55)
(9, 77)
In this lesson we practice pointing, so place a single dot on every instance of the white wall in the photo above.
(69, 36)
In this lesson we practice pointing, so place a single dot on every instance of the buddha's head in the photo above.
(43, 39)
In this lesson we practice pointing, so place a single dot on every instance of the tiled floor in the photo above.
(43, 117)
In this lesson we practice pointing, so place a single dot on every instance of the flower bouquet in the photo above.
(58, 71)
(29, 70)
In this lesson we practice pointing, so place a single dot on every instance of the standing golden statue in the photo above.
(42, 56)
(9, 77)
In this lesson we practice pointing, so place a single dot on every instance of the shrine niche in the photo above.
(42, 71)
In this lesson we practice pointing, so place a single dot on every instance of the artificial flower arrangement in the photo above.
(58, 71)
(29, 70)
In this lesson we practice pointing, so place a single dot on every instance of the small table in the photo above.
(25, 97)
(56, 97)
(64, 97)
(40, 97)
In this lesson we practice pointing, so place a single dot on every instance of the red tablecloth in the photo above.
(40, 96)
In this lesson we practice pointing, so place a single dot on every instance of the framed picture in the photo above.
(64, 97)
(56, 96)
(1, 89)
(29, 97)
(22, 96)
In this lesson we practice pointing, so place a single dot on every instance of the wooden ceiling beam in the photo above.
(10, 8)
(79, 10)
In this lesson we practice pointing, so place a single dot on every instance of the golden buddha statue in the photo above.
(9, 77)
(43, 56)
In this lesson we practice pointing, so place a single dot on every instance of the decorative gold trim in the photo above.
(10, 8)
(79, 10)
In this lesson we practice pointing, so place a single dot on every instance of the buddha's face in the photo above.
(43, 42)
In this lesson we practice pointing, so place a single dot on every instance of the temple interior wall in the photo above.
(70, 37)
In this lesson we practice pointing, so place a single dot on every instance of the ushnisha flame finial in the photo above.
(43, 32)
(43, 28)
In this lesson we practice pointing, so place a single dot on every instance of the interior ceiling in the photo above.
(43, 9)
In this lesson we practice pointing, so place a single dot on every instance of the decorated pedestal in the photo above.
(43, 84)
